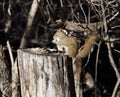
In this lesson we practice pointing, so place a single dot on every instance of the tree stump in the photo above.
(44, 74)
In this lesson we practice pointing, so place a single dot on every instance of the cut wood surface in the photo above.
(45, 75)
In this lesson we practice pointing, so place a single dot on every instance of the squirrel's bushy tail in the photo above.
(87, 47)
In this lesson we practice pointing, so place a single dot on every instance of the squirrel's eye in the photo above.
(56, 35)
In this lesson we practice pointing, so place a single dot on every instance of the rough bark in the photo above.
(45, 75)
(5, 85)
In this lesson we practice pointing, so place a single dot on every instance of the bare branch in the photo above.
(10, 52)
(112, 61)
(83, 11)
(96, 67)
(80, 27)
(61, 3)
(115, 69)
(31, 16)
(49, 5)
(117, 50)
(113, 17)
(116, 88)
(104, 18)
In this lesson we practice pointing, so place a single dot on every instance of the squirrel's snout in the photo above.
(53, 41)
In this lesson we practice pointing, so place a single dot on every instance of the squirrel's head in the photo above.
(59, 35)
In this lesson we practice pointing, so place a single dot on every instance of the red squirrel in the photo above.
(69, 46)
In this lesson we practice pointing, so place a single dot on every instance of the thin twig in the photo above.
(115, 69)
(116, 88)
(114, 16)
(89, 13)
(72, 11)
(49, 17)
(14, 72)
(49, 5)
(9, 8)
(112, 61)
(83, 11)
(96, 63)
(96, 67)
(117, 50)
(9, 21)
(104, 18)
(88, 59)
(10, 52)
(61, 3)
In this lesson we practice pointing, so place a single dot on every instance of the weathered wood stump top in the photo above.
(45, 73)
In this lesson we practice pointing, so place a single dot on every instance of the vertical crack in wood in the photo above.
(70, 77)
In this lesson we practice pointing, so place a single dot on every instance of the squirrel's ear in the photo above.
(65, 32)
